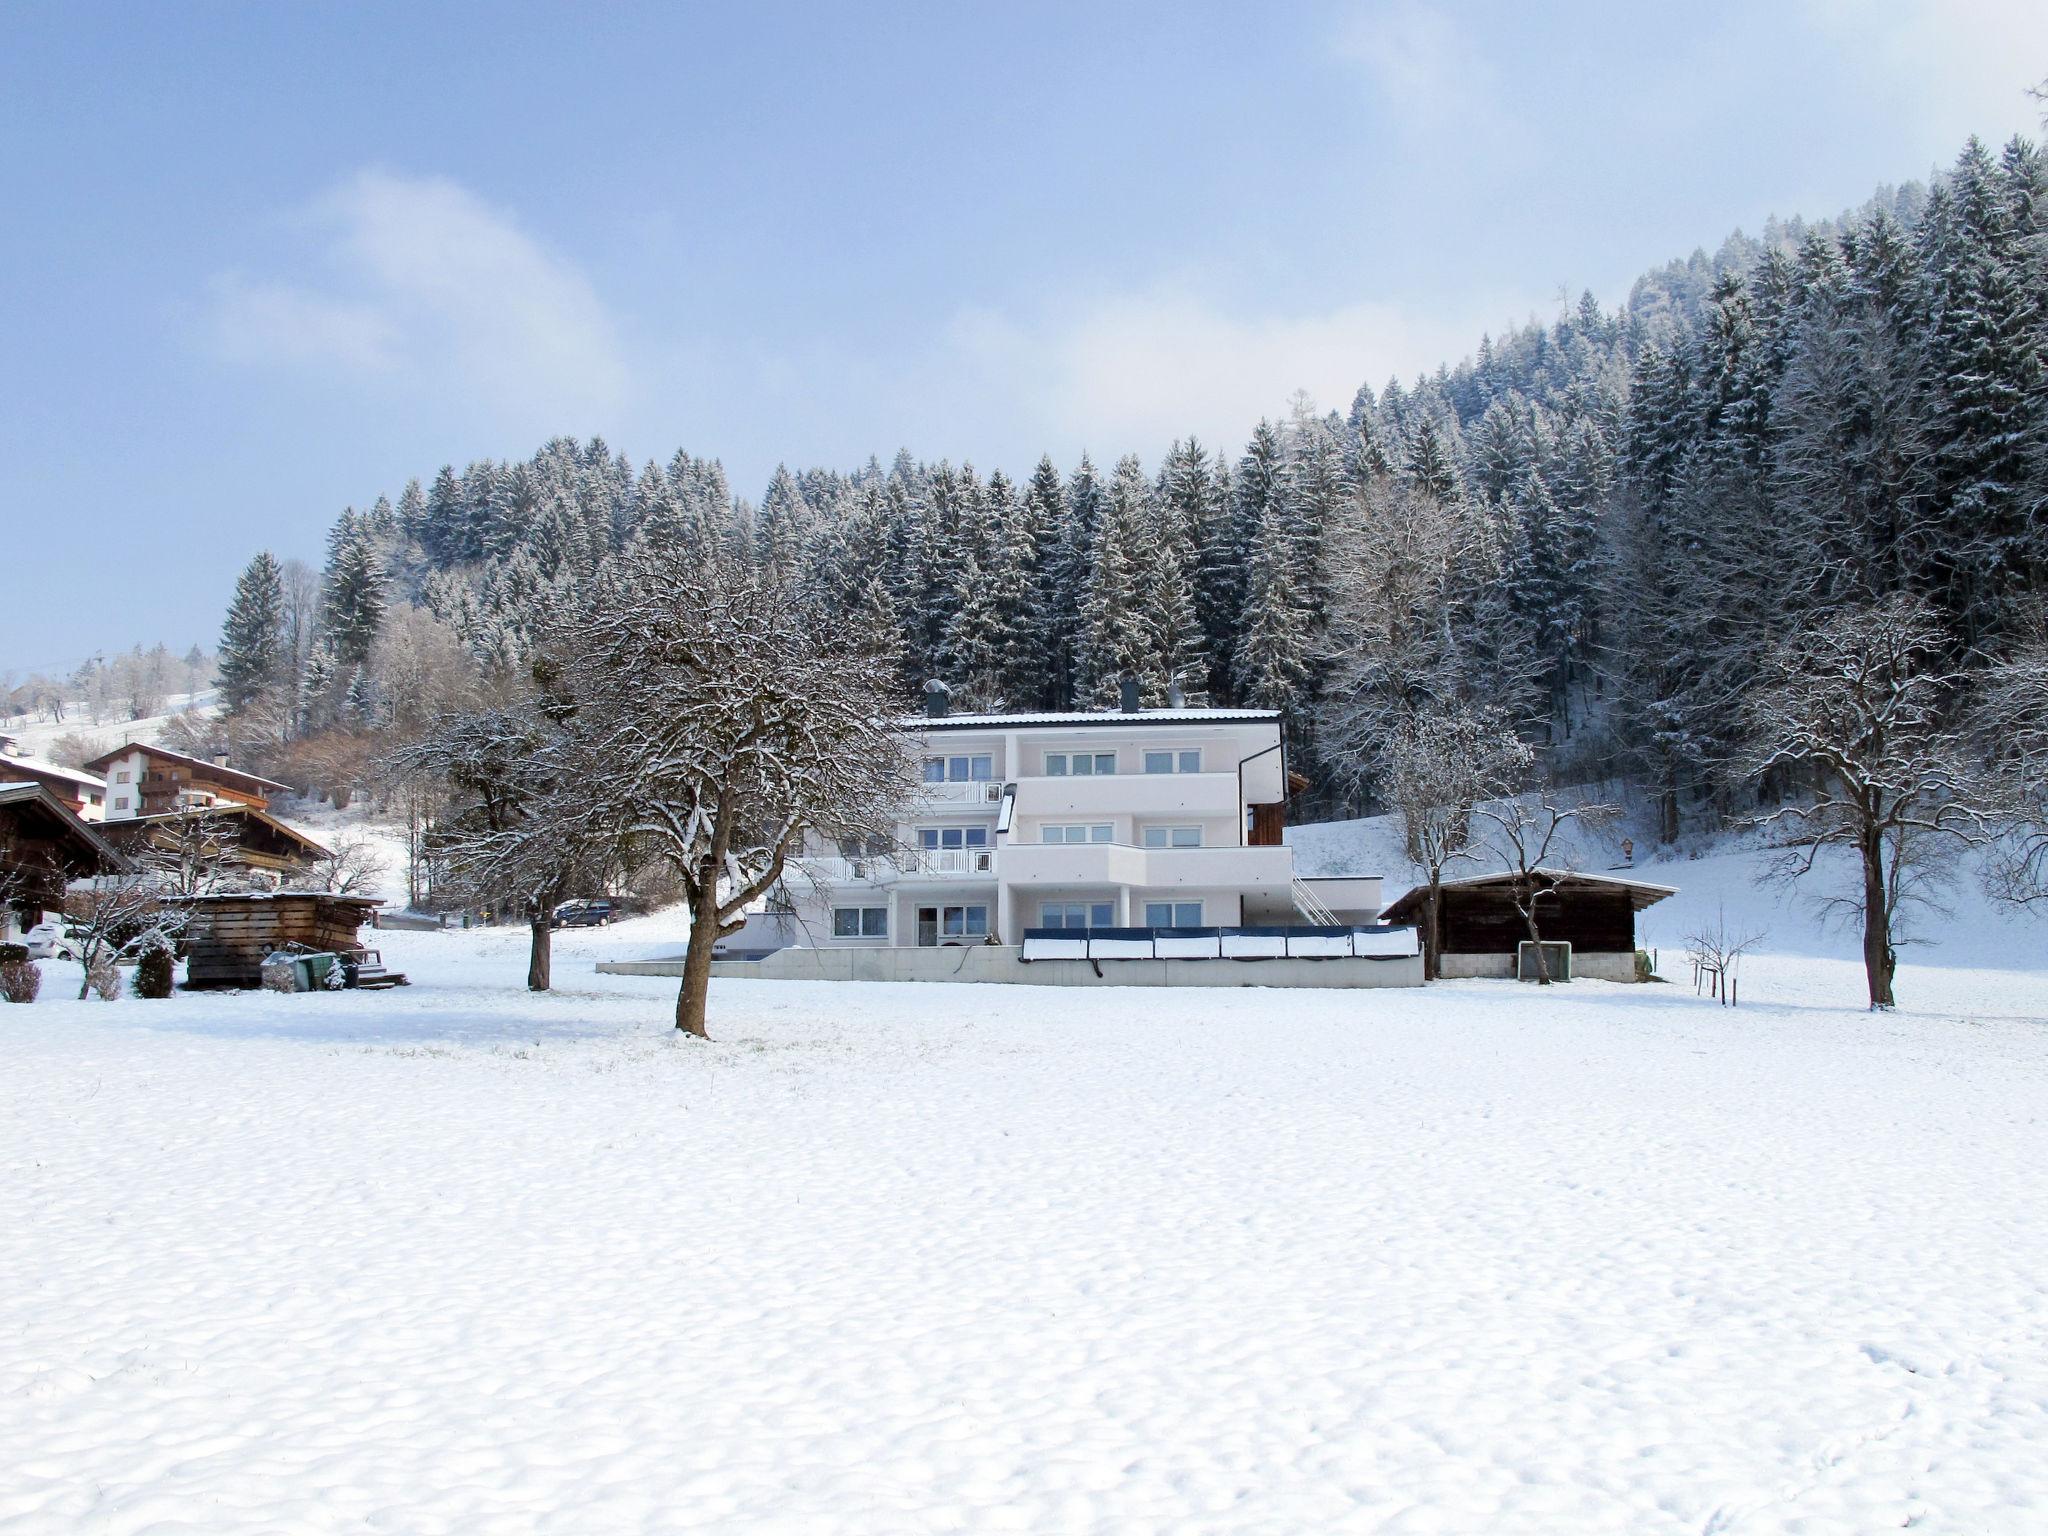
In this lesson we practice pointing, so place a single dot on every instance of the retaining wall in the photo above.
(999, 963)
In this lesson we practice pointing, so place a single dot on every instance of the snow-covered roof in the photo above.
(56, 770)
(1642, 893)
(1087, 717)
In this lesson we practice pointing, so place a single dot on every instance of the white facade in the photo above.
(1103, 820)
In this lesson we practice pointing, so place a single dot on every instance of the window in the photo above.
(1077, 914)
(1173, 762)
(1173, 914)
(120, 802)
(1173, 837)
(968, 768)
(1059, 765)
(952, 837)
(121, 777)
(860, 922)
(864, 848)
(1097, 832)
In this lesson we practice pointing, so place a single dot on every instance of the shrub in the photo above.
(155, 972)
(105, 977)
(20, 980)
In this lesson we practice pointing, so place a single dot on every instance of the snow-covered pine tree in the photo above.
(252, 637)
(1117, 637)
(353, 592)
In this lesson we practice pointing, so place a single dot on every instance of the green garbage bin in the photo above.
(313, 971)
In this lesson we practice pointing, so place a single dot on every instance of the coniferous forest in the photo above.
(1602, 526)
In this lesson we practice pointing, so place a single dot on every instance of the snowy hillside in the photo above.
(37, 736)
(1801, 958)
(936, 1259)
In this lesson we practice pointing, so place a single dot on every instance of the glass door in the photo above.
(928, 927)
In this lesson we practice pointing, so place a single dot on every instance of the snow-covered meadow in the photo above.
(945, 1259)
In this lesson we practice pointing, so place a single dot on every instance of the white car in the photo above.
(50, 941)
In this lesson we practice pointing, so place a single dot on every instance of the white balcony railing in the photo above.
(976, 793)
(1050, 864)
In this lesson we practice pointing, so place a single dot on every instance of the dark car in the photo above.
(593, 912)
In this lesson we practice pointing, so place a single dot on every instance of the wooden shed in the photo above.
(229, 935)
(1483, 928)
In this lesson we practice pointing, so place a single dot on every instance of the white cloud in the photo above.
(1955, 67)
(418, 283)
(1134, 371)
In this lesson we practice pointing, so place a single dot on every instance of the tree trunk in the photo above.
(1877, 926)
(1433, 931)
(540, 956)
(1536, 938)
(694, 994)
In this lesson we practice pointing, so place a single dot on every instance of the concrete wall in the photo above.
(1587, 965)
(999, 963)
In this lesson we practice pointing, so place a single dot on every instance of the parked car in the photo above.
(50, 940)
(591, 912)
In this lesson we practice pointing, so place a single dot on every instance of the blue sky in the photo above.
(261, 262)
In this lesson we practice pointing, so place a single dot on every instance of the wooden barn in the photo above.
(43, 847)
(1483, 929)
(229, 935)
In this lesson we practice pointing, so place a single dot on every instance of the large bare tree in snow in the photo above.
(719, 726)
(1859, 711)
(1436, 765)
(1532, 836)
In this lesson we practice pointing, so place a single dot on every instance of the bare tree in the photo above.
(1529, 835)
(2012, 723)
(112, 914)
(194, 854)
(1435, 766)
(520, 829)
(352, 866)
(717, 727)
(1859, 710)
(1716, 952)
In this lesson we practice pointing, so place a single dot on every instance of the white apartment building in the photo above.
(1161, 818)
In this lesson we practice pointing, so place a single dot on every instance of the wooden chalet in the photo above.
(153, 781)
(43, 847)
(83, 794)
(1483, 929)
(253, 842)
(228, 937)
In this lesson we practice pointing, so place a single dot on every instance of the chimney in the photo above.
(220, 759)
(1130, 695)
(937, 698)
(1176, 698)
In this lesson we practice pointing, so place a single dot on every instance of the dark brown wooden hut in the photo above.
(1483, 928)
(229, 935)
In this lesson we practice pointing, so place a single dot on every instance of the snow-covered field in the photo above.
(1484, 1258)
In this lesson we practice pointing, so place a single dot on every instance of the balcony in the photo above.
(1130, 794)
(960, 795)
(1150, 869)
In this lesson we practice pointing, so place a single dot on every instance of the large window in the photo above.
(1060, 765)
(1173, 762)
(1173, 914)
(933, 838)
(1094, 832)
(968, 768)
(1077, 914)
(1173, 837)
(860, 922)
(952, 925)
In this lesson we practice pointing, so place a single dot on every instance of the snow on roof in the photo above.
(1643, 893)
(40, 765)
(1090, 717)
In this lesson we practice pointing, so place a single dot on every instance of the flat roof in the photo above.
(1090, 717)
(1642, 893)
